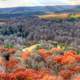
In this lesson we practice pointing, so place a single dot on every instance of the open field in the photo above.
(59, 16)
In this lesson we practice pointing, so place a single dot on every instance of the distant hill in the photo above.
(43, 9)
(38, 10)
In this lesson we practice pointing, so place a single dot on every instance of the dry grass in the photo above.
(77, 15)
(59, 16)
(54, 15)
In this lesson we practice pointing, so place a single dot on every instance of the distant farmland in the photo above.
(59, 16)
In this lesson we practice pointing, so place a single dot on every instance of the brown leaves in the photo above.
(11, 63)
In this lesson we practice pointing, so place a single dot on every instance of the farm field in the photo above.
(59, 16)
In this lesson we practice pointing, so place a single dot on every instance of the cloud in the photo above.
(74, 2)
(15, 3)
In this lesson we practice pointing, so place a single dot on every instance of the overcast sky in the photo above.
(15, 3)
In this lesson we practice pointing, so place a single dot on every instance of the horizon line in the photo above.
(41, 6)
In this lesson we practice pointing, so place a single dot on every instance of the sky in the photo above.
(16, 3)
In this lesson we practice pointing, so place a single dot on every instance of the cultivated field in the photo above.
(60, 16)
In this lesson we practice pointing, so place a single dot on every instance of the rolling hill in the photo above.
(40, 9)
(37, 10)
